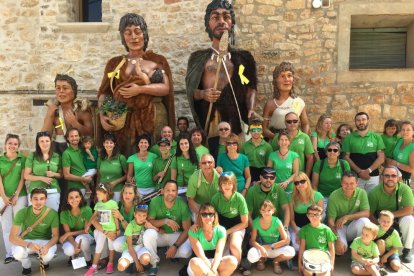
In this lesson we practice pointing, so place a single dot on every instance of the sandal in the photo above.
(276, 268)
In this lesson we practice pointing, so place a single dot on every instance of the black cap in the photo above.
(268, 170)
(164, 140)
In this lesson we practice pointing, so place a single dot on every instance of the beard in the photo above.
(362, 127)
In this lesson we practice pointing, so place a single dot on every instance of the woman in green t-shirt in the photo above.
(269, 239)
(390, 136)
(43, 168)
(302, 197)
(12, 190)
(74, 216)
(184, 163)
(285, 162)
(208, 243)
(198, 137)
(322, 136)
(112, 166)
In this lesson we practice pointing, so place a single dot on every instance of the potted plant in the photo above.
(115, 110)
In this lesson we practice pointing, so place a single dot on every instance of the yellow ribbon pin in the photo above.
(243, 78)
(296, 107)
(61, 123)
(110, 74)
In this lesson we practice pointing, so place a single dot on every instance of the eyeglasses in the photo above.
(291, 121)
(205, 215)
(332, 150)
(141, 207)
(390, 176)
(231, 143)
(311, 215)
(42, 133)
(271, 177)
(255, 129)
(206, 162)
(102, 186)
(224, 129)
(299, 182)
(226, 174)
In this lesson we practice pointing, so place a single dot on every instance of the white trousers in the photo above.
(119, 244)
(407, 230)
(87, 240)
(7, 221)
(352, 230)
(152, 240)
(52, 201)
(293, 238)
(100, 240)
(369, 184)
(21, 254)
(139, 249)
(254, 255)
(117, 196)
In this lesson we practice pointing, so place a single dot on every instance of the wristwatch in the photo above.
(176, 245)
(272, 247)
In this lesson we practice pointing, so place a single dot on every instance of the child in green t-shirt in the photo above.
(106, 226)
(365, 254)
(388, 241)
(316, 235)
(90, 160)
(134, 250)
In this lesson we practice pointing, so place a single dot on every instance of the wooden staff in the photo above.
(223, 46)
(7, 205)
(165, 170)
(42, 266)
(78, 247)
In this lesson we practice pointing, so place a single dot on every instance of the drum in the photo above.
(316, 261)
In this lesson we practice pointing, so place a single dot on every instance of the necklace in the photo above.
(281, 154)
(134, 61)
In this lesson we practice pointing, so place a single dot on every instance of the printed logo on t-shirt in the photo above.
(288, 165)
(399, 156)
(104, 216)
(115, 163)
(233, 210)
(357, 202)
(364, 253)
(137, 238)
(322, 239)
(262, 152)
(301, 141)
(274, 195)
(370, 144)
(338, 175)
(149, 165)
(400, 199)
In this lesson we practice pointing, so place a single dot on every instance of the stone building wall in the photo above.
(39, 38)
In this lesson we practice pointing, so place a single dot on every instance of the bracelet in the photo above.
(176, 245)
(369, 169)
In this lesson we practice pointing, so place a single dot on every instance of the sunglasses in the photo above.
(206, 162)
(141, 207)
(313, 215)
(224, 129)
(271, 177)
(332, 150)
(390, 176)
(299, 182)
(209, 215)
(102, 186)
(291, 121)
(231, 143)
(42, 133)
(226, 174)
(255, 129)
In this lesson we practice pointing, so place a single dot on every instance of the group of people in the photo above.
(222, 195)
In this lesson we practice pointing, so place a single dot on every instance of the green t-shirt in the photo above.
(339, 205)
(230, 208)
(76, 223)
(12, 180)
(43, 231)
(257, 155)
(143, 170)
(284, 167)
(185, 168)
(179, 212)
(322, 143)
(301, 144)
(403, 155)
(112, 169)
(156, 148)
(393, 240)
(200, 151)
(135, 231)
(87, 161)
(380, 200)
(237, 166)
(330, 178)
(128, 217)
(363, 149)
(369, 251)
(219, 232)
(40, 167)
(73, 159)
(317, 237)
(302, 208)
(203, 192)
(389, 143)
(255, 197)
(105, 217)
(269, 235)
(221, 149)
(158, 166)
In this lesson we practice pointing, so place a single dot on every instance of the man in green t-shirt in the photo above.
(267, 189)
(43, 236)
(161, 173)
(202, 185)
(364, 151)
(72, 163)
(348, 211)
(167, 133)
(171, 214)
(398, 198)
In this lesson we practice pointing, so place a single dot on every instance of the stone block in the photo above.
(295, 4)
(396, 112)
(265, 10)
(373, 110)
(29, 3)
(359, 100)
